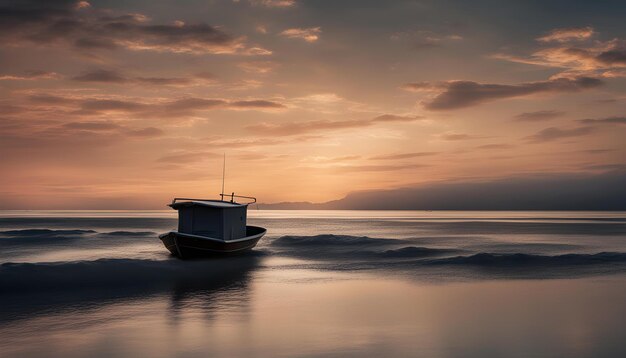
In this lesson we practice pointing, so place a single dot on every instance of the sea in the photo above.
(319, 284)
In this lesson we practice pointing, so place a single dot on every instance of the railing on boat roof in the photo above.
(232, 198)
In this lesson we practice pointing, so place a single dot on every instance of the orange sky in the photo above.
(126, 105)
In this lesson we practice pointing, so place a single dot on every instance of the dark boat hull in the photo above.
(187, 246)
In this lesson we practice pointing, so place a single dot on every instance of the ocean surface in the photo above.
(319, 284)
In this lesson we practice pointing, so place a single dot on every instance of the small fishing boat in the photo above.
(209, 227)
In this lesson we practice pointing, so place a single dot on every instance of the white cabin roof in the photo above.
(209, 203)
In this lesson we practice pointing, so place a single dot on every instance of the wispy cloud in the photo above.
(274, 3)
(378, 168)
(256, 104)
(554, 133)
(567, 34)
(294, 128)
(539, 116)
(260, 67)
(114, 77)
(425, 39)
(29, 76)
(453, 136)
(462, 94)
(310, 34)
(403, 155)
(607, 120)
(89, 107)
(104, 76)
(591, 58)
(496, 146)
(187, 157)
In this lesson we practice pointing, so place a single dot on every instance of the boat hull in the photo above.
(188, 246)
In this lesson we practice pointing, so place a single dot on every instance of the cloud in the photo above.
(425, 39)
(310, 34)
(274, 3)
(598, 151)
(462, 94)
(607, 120)
(394, 118)
(613, 57)
(554, 133)
(108, 126)
(538, 116)
(495, 146)
(164, 81)
(607, 167)
(456, 136)
(293, 128)
(187, 157)
(52, 141)
(567, 34)
(420, 86)
(112, 105)
(188, 106)
(113, 77)
(101, 76)
(30, 76)
(403, 155)
(51, 23)
(592, 59)
(256, 104)
(93, 125)
(260, 67)
(78, 107)
(148, 132)
(50, 99)
(377, 168)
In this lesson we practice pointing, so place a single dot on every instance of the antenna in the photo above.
(223, 176)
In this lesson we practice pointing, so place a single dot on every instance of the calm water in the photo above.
(321, 283)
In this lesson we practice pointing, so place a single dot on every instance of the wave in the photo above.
(345, 253)
(527, 260)
(44, 233)
(112, 223)
(332, 247)
(331, 240)
(128, 233)
(51, 237)
(120, 273)
(414, 252)
(40, 237)
(27, 290)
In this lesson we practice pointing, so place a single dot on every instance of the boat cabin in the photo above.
(217, 219)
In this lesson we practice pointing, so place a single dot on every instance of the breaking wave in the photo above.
(336, 252)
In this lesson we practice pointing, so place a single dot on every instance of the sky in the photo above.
(127, 104)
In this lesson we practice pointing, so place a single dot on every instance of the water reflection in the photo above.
(28, 290)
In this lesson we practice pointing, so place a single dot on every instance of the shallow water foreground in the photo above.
(392, 284)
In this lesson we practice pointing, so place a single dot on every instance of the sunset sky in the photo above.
(126, 104)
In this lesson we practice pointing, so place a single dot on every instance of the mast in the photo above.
(223, 176)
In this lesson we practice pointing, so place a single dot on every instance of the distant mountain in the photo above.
(606, 191)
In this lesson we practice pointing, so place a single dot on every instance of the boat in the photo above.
(209, 227)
